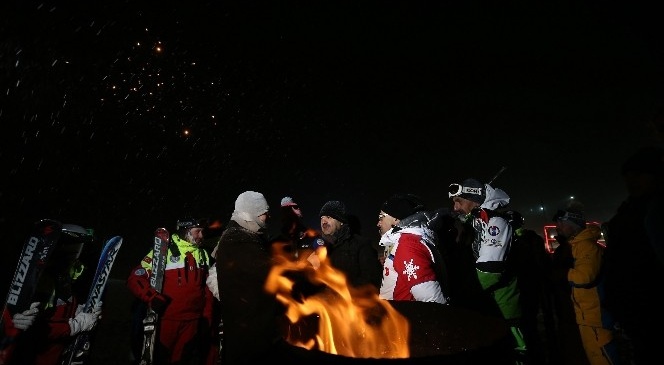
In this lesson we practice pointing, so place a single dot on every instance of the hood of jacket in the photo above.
(495, 198)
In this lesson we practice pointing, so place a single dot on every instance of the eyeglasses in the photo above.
(457, 189)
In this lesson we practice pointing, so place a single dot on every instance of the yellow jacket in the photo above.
(586, 279)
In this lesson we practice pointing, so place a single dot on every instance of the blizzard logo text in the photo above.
(158, 261)
(22, 271)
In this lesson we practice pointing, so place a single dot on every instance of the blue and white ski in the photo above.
(79, 349)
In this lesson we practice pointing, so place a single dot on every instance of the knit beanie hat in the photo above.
(334, 209)
(287, 201)
(572, 213)
(401, 206)
(249, 205)
(469, 189)
(290, 207)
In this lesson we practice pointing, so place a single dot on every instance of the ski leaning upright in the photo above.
(159, 253)
(34, 257)
(79, 350)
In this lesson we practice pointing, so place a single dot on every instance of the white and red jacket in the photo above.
(408, 272)
(184, 282)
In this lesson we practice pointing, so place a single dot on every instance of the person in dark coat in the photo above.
(296, 236)
(347, 251)
(563, 337)
(530, 263)
(250, 315)
(633, 267)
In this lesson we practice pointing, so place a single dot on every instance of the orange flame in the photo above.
(310, 233)
(216, 224)
(353, 322)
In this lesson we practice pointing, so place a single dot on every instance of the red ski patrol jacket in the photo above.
(187, 267)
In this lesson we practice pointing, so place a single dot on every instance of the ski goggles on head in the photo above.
(458, 189)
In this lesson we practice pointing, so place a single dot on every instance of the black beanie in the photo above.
(573, 213)
(401, 206)
(334, 209)
(473, 183)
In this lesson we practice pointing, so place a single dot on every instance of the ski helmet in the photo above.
(515, 219)
(69, 247)
(75, 231)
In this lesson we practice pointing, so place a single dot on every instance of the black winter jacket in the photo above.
(355, 256)
(249, 314)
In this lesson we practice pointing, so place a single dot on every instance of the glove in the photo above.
(211, 281)
(97, 309)
(25, 319)
(314, 260)
(159, 302)
(83, 322)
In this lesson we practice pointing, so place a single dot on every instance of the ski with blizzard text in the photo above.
(34, 257)
(79, 349)
(159, 253)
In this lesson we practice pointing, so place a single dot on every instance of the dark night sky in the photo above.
(348, 100)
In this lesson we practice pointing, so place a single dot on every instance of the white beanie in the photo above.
(287, 201)
(249, 205)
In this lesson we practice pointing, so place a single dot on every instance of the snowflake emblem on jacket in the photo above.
(411, 269)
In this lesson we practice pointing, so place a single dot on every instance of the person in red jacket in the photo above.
(412, 265)
(39, 335)
(185, 303)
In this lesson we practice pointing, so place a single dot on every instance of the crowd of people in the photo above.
(586, 303)
(426, 255)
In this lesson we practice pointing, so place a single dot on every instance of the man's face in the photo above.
(329, 225)
(463, 206)
(565, 228)
(195, 236)
(385, 222)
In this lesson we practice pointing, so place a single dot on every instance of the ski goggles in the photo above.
(458, 189)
